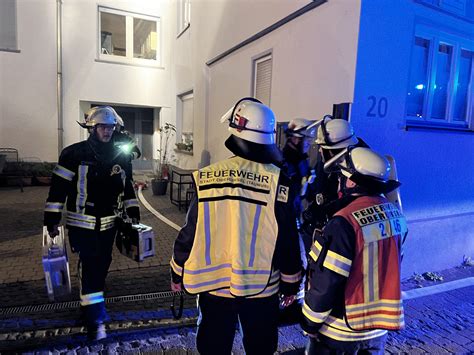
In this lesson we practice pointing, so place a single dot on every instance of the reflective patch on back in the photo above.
(282, 195)
(380, 222)
(376, 213)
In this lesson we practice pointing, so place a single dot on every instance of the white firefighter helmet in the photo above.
(365, 167)
(100, 115)
(301, 127)
(335, 133)
(366, 162)
(251, 120)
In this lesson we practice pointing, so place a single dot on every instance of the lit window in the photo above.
(441, 82)
(129, 38)
(262, 80)
(444, 58)
(185, 121)
(8, 40)
(462, 85)
(184, 15)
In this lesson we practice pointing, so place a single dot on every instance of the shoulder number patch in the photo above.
(282, 195)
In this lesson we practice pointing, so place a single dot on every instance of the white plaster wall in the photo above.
(225, 23)
(182, 69)
(89, 80)
(215, 27)
(314, 60)
(28, 116)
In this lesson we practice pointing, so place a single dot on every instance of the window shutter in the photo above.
(8, 24)
(263, 79)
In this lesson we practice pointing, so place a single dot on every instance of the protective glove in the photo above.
(286, 301)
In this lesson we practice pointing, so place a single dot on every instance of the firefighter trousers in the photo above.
(219, 316)
(95, 258)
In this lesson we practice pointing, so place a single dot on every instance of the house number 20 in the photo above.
(378, 107)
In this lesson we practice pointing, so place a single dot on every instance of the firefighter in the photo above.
(239, 246)
(354, 295)
(296, 165)
(295, 155)
(333, 135)
(94, 181)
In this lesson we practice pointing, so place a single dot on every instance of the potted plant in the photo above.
(159, 183)
(42, 173)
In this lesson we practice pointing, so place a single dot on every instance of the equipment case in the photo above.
(56, 265)
(136, 241)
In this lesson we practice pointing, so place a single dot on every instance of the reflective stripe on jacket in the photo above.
(271, 289)
(235, 197)
(337, 329)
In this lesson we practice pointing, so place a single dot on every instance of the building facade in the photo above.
(406, 68)
(67, 56)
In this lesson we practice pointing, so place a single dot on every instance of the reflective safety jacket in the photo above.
(94, 180)
(240, 236)
(354, 282)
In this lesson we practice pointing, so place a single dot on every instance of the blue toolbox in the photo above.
(56, 265)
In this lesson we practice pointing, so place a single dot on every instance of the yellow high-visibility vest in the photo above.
(236, 228)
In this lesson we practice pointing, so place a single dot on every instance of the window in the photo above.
(185, 113)
(262, 80)
(184, 15)
(463, 8)
(441, 82)
(8, 41)
(129, 38)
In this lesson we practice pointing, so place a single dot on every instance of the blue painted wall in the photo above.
(436, 167)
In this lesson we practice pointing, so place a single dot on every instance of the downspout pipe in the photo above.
(59, 73)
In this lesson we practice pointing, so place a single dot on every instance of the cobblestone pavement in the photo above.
(441, 323)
